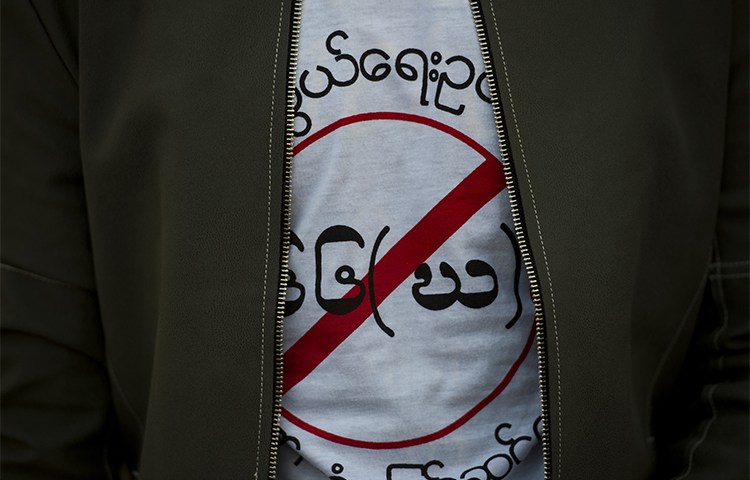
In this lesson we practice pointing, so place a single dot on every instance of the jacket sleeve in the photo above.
(709, 430)
(55, 392)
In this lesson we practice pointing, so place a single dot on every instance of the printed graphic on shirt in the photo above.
(410, 65)
(409, 332)
(509, 452)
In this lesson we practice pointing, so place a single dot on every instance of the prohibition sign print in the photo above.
(401, 261)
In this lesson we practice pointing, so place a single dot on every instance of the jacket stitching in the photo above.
(43, 278)
(724, 312)
(719, 291)
(739, 263)
(268, 241)
(703, 435)
(730, 276)
(730, 267)
(541, 241)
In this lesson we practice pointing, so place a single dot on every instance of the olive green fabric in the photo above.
(156, 130)
(142, 156)
(55, 393)
(622, 128)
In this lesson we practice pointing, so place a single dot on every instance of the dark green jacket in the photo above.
(144, 147)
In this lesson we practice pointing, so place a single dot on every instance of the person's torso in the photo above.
(409, 330)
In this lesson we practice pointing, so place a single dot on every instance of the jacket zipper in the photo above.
(520, 230)
(518, 223)
(286, 224)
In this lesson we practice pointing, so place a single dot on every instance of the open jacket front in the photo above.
(144, 154)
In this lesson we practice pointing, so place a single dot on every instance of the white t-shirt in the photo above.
(409, 338)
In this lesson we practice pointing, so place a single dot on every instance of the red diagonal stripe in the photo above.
(413, 249)
(410, 442)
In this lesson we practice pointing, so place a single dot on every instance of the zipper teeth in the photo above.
(518, 225)
(286, 224)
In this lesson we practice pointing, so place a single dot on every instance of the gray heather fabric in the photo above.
(399, 198)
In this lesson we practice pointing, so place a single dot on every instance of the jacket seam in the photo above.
(541, 241)
(721, 297)
(738, 263)
(268, 242)
(673, 341)
(730, 276)
(719, 292)
(730, 268)
(703, 435)
(44, 278)
(52, 43)
(116, 382)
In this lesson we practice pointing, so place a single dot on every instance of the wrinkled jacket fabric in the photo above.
(142, 158)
